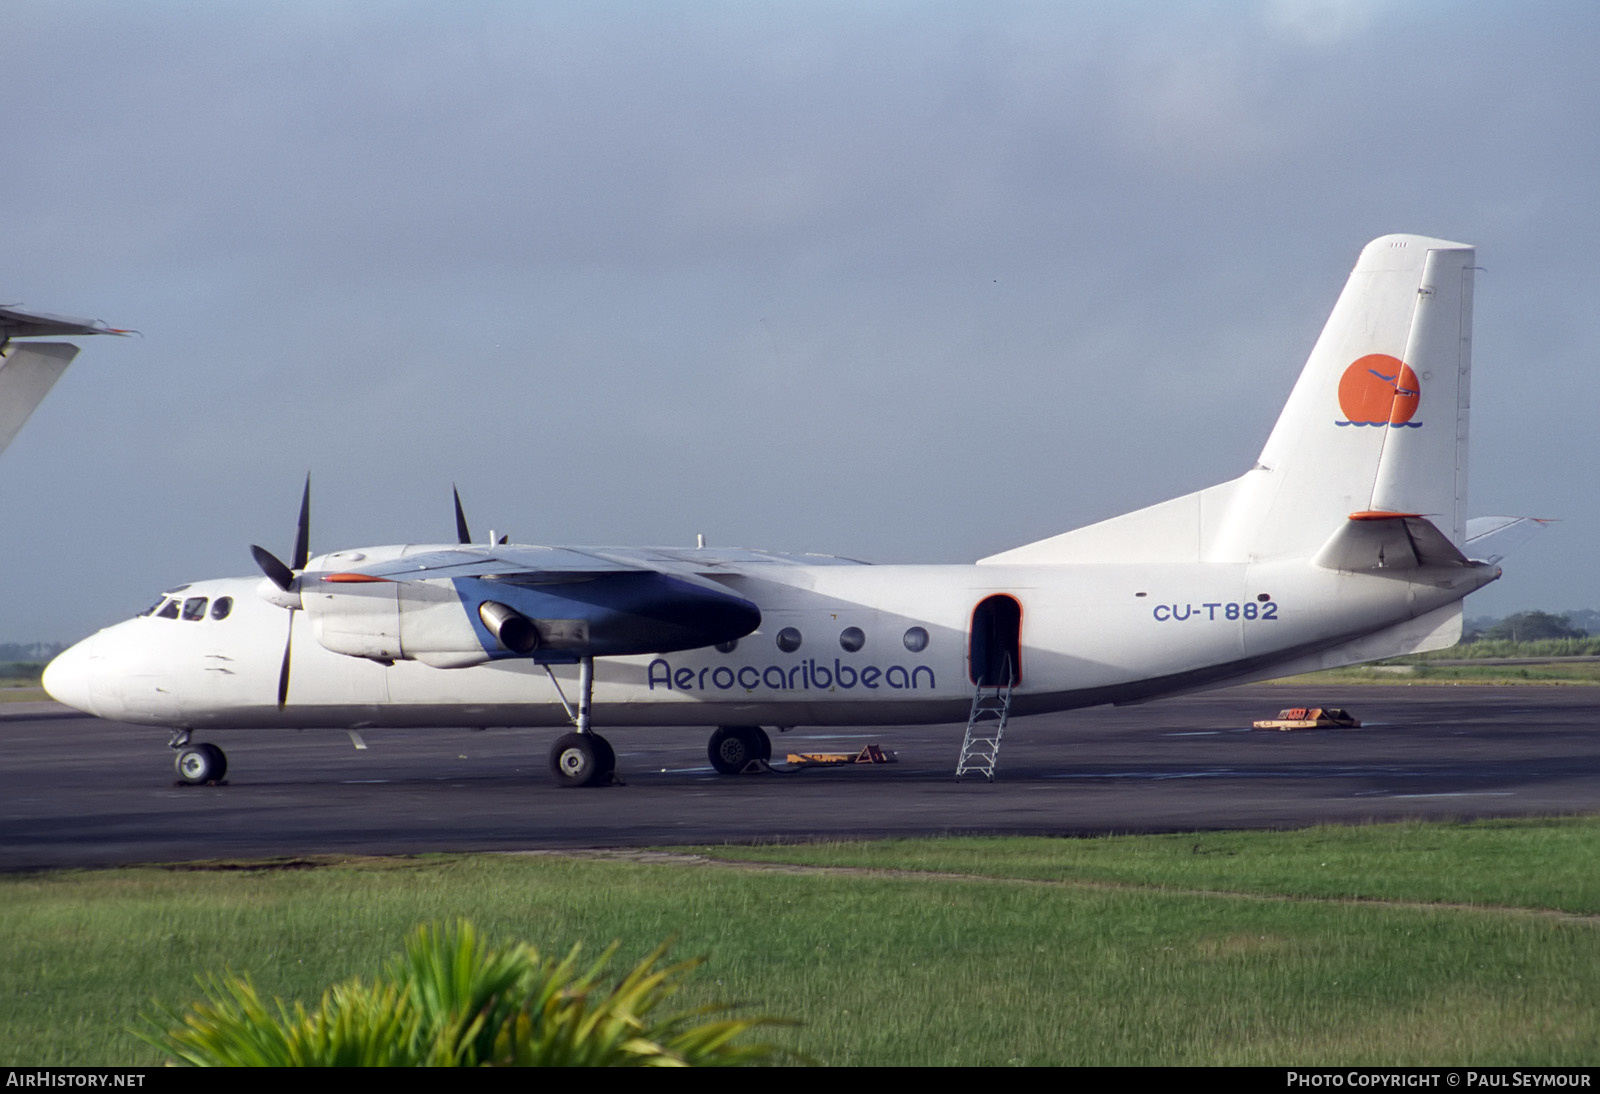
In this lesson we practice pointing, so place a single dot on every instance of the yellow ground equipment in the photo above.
(872, 754)
(1308, 718)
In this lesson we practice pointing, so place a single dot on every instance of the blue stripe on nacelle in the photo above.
(623, 613)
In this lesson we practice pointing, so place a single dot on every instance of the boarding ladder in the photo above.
(991, 706)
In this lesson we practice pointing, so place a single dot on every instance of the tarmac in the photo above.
(79, 792)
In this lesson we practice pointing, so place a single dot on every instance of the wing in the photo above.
(16, 323)
(457, 606)
(27, 373)
(535, 562)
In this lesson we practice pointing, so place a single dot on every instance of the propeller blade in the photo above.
(283, 672)
(302, 535)
(279, 574)
(462, 534)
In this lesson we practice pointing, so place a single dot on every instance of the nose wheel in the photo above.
(199, 764)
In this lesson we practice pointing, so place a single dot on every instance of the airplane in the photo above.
(28, 372)
(1346, 542)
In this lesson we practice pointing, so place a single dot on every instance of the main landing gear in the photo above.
(198, 764)
(583, 758)
(734, 748)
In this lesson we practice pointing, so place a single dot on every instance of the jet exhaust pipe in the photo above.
(510, 627)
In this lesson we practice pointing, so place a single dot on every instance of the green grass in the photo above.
(1556, 673)
(1425, 668)
(1482, 862)
(1403, 944)
(19, 682)
(1543, 647)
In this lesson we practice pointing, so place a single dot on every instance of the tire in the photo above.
(608, 755)
(581, 759)
(732, 748)
(200, 764)
(221, 759)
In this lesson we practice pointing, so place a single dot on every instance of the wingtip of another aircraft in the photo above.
(16, 322)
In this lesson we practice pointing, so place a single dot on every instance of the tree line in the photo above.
(1532, 626)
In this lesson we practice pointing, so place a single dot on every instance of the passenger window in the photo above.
(916, 639)
(194, 608)
(222, 607)
(168, 612)
(851, 639)
(788, 640)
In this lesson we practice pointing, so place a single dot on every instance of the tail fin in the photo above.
(1378, 419)
(1377, 423)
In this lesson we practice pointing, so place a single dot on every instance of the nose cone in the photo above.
(69, 676)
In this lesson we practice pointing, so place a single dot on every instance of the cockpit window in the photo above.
(170, 611)
(151, 610)
(222, 607)
(194, 608)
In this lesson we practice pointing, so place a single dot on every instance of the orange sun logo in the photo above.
(1379, 390)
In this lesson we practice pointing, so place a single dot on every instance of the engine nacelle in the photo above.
(459, 622)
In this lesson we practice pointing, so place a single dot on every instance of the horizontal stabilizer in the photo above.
(1387, 541)
(1491, 539)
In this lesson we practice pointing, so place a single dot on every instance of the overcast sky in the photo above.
(904, 282)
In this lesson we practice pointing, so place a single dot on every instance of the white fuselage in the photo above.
(1083, 635)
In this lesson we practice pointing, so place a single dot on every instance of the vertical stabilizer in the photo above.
(1378, 418)
(1377, 423)
(27, 373)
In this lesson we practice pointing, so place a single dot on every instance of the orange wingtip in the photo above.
(351, 579)
(1379, 514)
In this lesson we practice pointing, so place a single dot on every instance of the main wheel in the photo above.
(608, 755)
(582, 759)
(200, 764)
(732, 748)
(221, 759)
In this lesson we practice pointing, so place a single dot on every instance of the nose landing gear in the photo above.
(198, 764)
